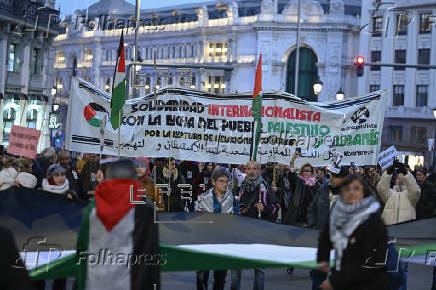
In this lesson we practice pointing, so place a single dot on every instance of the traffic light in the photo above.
(359, 62)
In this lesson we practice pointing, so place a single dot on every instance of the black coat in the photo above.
(319, 210)
(175, 203)
(13, 273)
(302, 196)
(363, 261)
(426, 206)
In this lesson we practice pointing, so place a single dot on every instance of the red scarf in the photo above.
(112, 198)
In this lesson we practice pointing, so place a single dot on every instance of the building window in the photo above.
(375, 57)
(395, 134)
(418, 135)
(377, 24)
(192, 82)
(425, 23)
(373, 88)
(147, 85)
(421, 95)
(36, 61)
(13, 59)
(88, 55)
(173, 51)
(402, 23)
(216, 84)
(60, 57)
(217, 49)
(31, 118)
(400, 57)
(108, 54)
(10, 113)
(192, 51)
(398, 97)
(423, 56)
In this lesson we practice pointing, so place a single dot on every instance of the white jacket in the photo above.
(7, 178)
(399, 204)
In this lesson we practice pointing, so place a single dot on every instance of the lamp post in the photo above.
(340, 95)
(317, 86)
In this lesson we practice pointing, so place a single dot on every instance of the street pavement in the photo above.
(419, 278)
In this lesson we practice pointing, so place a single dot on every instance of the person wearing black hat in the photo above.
(318, 211)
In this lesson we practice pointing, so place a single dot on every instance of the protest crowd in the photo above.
(350, 208)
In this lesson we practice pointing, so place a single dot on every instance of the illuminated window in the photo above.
(13, 60)
(377, 26)
(88, 55)
(60, 57)
(217, 49)
(216, 84)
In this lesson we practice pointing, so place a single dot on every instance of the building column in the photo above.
(25, 64)
(3, 57)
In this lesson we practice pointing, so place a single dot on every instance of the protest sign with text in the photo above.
(23, 141)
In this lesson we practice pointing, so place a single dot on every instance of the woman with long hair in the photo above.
(359, 236)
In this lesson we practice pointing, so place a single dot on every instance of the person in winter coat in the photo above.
(170, 175)
(48, 157)
(88, 175)
(304, 187)
(319, 211)
(143, 176)
(426, 207)
(401, 199)
(56, 182)
(71, 173)
(202, 182)
(420, 175)
(256, 198)
(8, 174)
(218, 199)
(359, 237)
(13, 272)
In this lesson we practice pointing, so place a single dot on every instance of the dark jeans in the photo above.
(219, 279)
(317, 278)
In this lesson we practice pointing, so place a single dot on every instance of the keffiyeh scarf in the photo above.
(345, 218)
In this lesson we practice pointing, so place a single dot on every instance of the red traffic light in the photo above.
(360, 60)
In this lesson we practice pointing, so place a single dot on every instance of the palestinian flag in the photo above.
(256, 110)
(118, 87)
(94, 114)
(117, 245)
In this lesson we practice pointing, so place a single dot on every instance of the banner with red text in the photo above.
(195, 125)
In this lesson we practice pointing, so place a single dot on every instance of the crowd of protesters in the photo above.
(350, 207)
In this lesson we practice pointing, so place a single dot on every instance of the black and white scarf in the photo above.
(345, 218)
(250, 185)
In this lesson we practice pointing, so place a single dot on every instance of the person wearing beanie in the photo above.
(8, 173)
(26, 180)
(56, 182)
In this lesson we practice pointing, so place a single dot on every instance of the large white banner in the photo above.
(195, 125)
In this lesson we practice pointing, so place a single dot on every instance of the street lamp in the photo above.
(340, 95)
(317, 86)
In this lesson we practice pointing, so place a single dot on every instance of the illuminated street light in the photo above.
(317, 86)
(340, 95)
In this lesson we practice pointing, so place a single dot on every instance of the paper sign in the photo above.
(23, 141)
(335, 163)
(386, 158)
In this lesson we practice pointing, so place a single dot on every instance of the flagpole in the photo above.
(119, 133)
